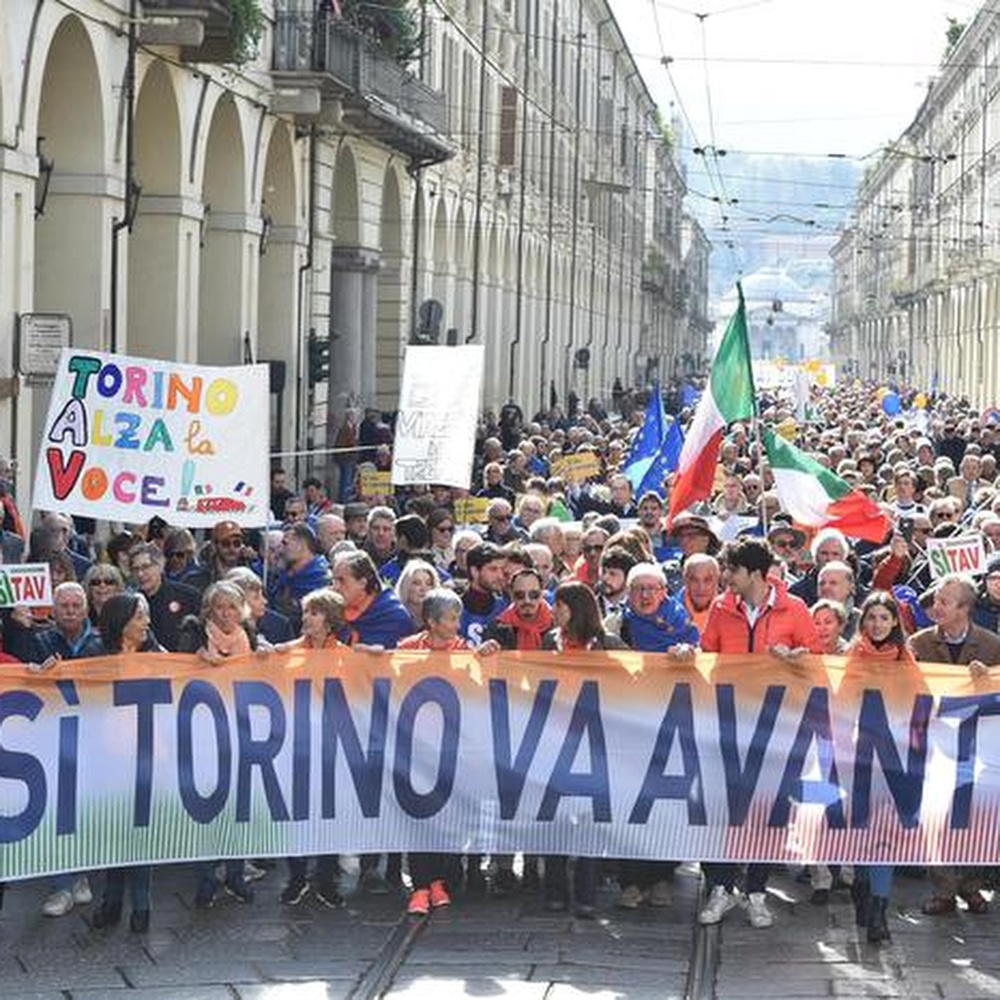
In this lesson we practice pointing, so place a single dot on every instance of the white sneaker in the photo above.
(81, 891)
(630, 897)
(719, 904)
(58, 904)
(660, 895)
(758, 915)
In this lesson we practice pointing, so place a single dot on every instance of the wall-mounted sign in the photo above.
(41, 338)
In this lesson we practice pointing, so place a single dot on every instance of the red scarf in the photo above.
(529, 631)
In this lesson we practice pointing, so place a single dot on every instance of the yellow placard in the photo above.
(577, 468)
(372, 483)
(471, 510)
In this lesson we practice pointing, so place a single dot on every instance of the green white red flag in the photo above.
(728, 397)
(818, 498)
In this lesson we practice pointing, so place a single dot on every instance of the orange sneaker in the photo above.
(439, 894)
(420, 903)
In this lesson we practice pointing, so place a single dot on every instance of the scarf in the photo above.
(235, 643)
(529, 631)
(863, 646)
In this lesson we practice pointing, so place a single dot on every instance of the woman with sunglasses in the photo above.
(578, 628)
(102, 582)
(442, 525)
(124, 628)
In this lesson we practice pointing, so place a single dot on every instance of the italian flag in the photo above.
(817, 498)
(728, 397)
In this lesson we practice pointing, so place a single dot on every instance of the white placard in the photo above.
(957, 554)
(438, 411)
(27, 585)
(129, 438)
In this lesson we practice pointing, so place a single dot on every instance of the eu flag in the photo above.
(665, 461)
(646, 445)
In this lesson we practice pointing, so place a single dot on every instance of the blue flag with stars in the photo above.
(665, 461)
(646, 446)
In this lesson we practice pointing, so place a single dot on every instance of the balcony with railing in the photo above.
(377, 94)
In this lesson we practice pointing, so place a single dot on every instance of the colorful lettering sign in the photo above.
(723, 758)
(127, 438)
(958, 554)
(26, 584)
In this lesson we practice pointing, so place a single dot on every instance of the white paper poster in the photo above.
(438, 411)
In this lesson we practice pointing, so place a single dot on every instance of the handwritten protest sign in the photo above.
(958, 554)
(372, 483)
(25, 584)
(577, 468)
(438, 411)
(127, 438)
(471, 510)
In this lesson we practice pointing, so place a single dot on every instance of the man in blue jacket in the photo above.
(305, 570)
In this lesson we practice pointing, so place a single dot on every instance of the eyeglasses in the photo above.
(593, 548)
(499, 517)
(230, 543)
(445, 529)
(103, 581)
(783, 543)
(183, 554)
(639, 588)
(141, 567)
(525, 595)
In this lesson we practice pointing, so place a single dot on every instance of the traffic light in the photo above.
(319, 358)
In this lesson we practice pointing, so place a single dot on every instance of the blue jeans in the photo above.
(879, 879)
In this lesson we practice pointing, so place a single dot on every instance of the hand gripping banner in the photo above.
(155, 758)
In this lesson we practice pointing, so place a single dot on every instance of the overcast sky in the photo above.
(791, 76)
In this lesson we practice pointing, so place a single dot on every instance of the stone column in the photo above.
(369, 326)
(352, 324)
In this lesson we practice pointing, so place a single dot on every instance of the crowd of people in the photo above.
(553, 564)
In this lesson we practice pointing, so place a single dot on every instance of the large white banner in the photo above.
(438, 410)
(725, 758)
(129, 438)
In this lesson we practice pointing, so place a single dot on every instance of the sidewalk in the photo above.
(503, 948)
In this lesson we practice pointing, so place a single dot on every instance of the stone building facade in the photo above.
(916, 293)
(327, 197)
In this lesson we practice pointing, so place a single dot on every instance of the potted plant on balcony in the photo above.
(246, 26)
(391, 25)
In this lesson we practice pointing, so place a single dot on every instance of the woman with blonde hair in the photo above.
(416, 581)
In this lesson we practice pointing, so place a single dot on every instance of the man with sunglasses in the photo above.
(225, 550)
(500, 527)
(169, 602)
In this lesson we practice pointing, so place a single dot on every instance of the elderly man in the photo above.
(330, 529)
(701, 575)
(500, 528)
(828, 545)
(835, 582)
(70, 638)
(954, 638)
(651, 622)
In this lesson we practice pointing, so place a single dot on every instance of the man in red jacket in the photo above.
(754, 615)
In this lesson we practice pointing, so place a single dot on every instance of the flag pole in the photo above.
(760, 470)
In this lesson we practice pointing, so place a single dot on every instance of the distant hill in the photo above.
(788, 211)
